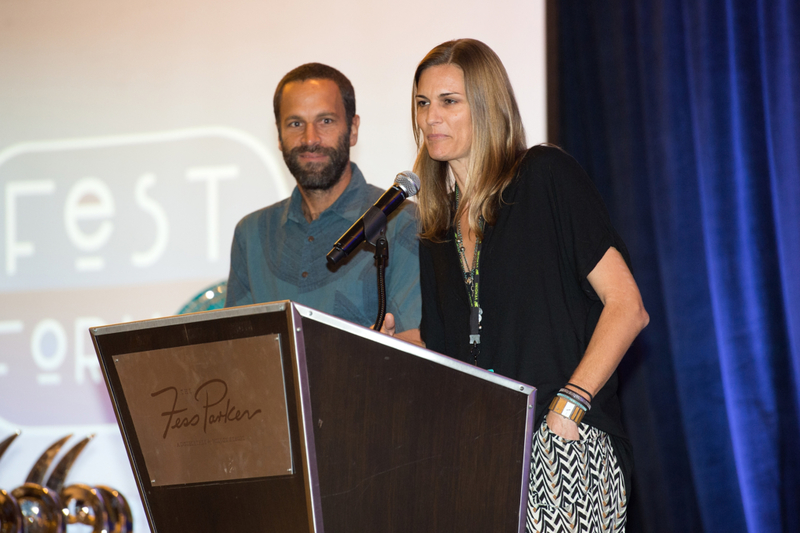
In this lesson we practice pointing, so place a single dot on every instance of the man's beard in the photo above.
(319, 176)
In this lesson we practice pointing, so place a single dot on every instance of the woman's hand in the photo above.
(562, 426)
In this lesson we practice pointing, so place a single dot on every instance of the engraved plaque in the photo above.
(209, 412)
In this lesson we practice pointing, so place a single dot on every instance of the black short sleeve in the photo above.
(581, 220)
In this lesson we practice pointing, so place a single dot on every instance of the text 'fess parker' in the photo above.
(213, 392)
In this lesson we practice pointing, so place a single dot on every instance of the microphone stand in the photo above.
(375, 234)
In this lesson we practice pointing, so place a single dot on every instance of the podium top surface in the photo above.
(317, 316)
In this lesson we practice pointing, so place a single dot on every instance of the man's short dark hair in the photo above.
(317, 71)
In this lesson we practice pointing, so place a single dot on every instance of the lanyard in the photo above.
(472, 284)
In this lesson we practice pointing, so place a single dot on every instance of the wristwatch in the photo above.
(567, 409)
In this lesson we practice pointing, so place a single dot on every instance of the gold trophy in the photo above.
(80, 504)
(36, 507)
(119, 512)
(10, 515)
(40, 507)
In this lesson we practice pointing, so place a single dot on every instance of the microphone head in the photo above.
(408, 182)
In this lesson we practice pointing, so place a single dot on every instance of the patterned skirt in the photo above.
(576, 486)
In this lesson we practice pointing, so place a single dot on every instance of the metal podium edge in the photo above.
(304, 403)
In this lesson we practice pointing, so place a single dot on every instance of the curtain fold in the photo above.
(686, 115)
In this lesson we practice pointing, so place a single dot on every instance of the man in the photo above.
(279, 252)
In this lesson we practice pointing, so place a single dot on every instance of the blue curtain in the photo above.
(687, 116)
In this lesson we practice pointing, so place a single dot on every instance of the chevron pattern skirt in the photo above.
(576, 486)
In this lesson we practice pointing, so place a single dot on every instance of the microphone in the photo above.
(406, 185)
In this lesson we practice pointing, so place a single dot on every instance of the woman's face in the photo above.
(444, 117)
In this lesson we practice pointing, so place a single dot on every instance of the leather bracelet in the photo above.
(591, 396)
(567, 409)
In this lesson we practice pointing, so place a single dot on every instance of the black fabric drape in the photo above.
(687, 116)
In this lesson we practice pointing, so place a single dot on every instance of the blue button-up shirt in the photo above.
(278, 255)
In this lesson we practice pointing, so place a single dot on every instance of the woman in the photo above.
(522, 273)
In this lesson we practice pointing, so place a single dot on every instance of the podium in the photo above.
(280, 418)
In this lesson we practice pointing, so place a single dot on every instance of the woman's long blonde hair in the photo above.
(498, 141)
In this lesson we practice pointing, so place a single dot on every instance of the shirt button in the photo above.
(310, 238)
(305, 274)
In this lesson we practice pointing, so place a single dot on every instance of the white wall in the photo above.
(133, 136)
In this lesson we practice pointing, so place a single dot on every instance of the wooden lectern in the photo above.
(280, 418)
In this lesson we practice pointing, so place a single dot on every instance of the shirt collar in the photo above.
(348, 206)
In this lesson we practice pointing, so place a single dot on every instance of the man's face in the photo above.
(315, 137)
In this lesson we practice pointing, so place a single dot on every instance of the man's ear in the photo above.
(354, 130)
(280, 140)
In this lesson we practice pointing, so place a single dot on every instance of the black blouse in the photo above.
(539, 310)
